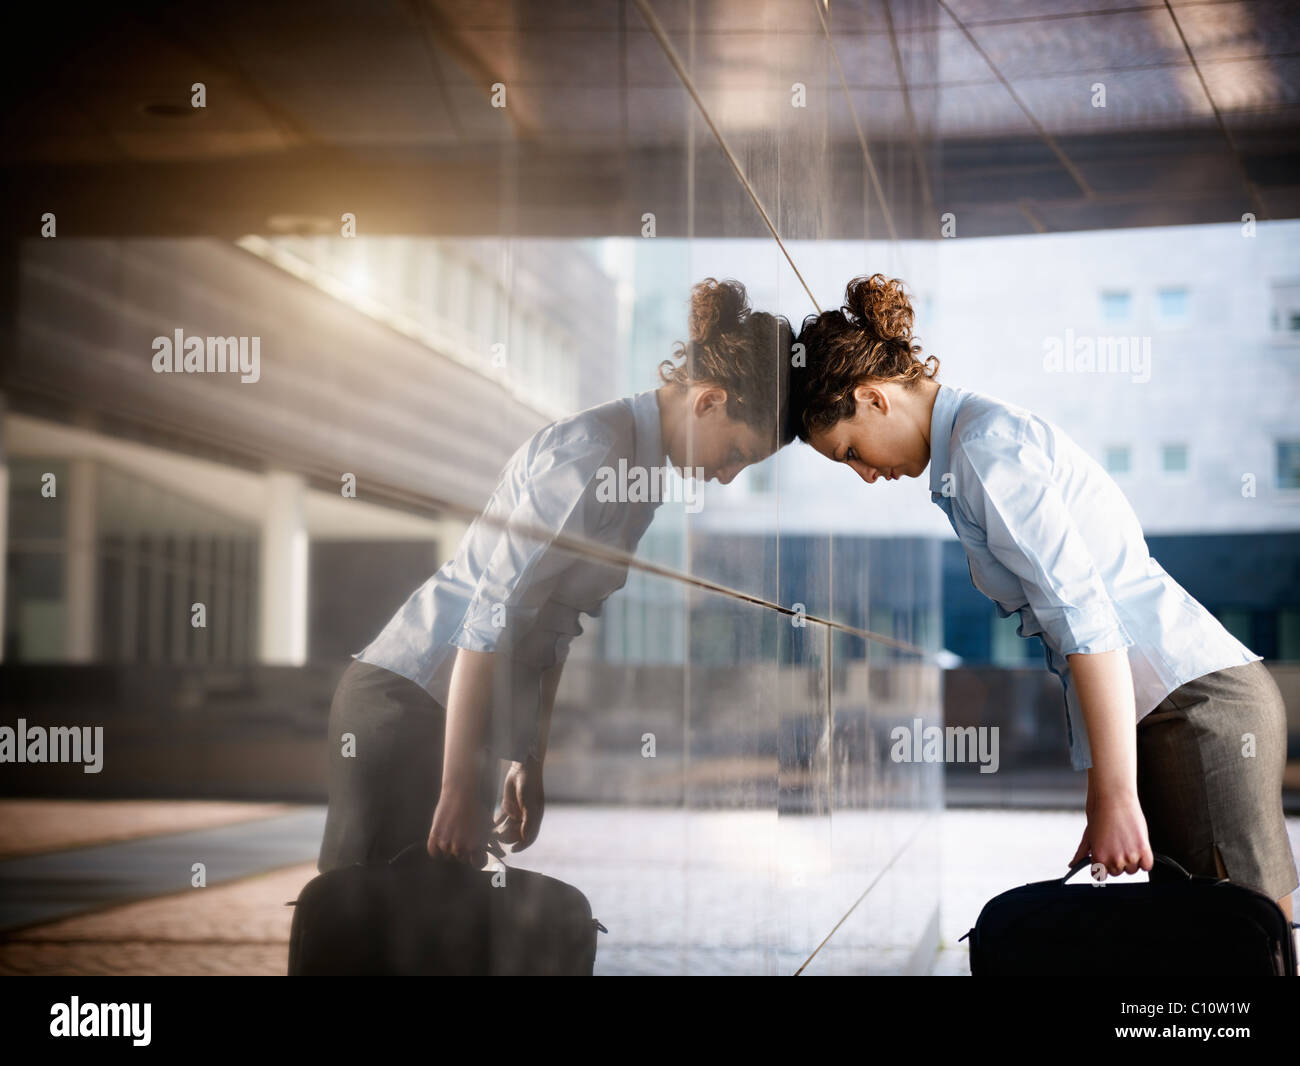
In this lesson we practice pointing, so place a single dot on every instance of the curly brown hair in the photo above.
(869, 339)
(743, 351)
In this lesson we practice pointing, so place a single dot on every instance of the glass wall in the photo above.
(772, 830)
(724, 776)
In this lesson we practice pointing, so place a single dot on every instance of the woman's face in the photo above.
(881, 440)
(720, 445)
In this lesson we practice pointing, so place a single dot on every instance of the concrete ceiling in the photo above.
(914, 108)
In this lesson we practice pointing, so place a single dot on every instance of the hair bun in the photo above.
(717, 307)
(879, 306)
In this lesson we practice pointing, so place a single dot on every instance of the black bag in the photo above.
(1195, 926)
(418, 915)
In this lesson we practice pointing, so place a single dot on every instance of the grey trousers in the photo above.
(385, 778)
(1210, 764)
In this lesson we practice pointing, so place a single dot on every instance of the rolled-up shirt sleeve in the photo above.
(1006, 483)
(516, 587)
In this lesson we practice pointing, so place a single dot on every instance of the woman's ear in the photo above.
(871, 396)
(710, 398)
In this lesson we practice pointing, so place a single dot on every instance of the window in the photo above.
(1286, 309)
(1173, 458)
(1116, 305)
(355, 267)
(1288, 464)
(1171, 304)
(1006, 646)
(451, 290)
(1288, 634)
(521, 355)
(480, 309)
(426, 289)
(1118, 459)
(1236, 620)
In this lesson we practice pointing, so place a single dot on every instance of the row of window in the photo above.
(1173, 459)
(453, 296)
(1286, 308)
(1118, 459)
(1173, 307)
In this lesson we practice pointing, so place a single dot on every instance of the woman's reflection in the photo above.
(466, 671)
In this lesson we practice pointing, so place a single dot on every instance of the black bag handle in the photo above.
(1155, 854)
(493, 847)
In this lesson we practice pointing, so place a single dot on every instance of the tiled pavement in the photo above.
(31, 826)
(238, 928)
(41, 888)
(241, 926)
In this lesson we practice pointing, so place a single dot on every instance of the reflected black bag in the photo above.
(1194, 926)
(421, 916)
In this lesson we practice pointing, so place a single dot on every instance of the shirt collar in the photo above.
(946, 404)
(649, 436)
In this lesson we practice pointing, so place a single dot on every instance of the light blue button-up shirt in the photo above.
(1050, 536)
(509, 588)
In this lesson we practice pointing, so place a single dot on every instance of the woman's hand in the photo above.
(461, 826)
(1116, 833)
(522, 805)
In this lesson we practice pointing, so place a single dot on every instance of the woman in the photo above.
(466, 670)
(1049, 535)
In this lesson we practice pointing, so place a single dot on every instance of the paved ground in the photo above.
(51, 885)
(28, 827)
(678, 893)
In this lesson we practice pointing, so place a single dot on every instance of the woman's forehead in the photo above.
(827, 439)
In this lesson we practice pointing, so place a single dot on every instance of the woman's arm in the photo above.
(550, 684)
(1116, 833)
(1006, 483)
(523, 799)
(461, 824)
